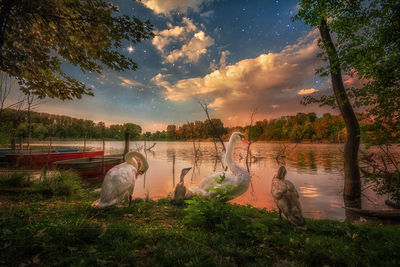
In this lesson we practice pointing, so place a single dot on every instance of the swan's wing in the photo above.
(208, 181)
(235, 185)
(291, 188)
(278, 188)
(238, 184)
(118, 182)
(290, 204)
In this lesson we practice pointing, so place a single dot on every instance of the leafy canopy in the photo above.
(38, 36)
(367, 35)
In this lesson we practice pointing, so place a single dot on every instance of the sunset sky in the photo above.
(236, 55)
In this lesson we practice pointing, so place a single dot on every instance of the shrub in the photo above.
(382, 172)
(213, 213)
(16, 179)
(386, 183)
(60, 183)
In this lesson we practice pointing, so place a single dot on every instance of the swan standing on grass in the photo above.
(119, 181)
(286, 198)
(239, 176)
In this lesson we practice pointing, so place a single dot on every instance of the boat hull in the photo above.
(90, 168)
(40, 160)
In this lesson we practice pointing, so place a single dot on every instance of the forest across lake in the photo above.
(302, 127)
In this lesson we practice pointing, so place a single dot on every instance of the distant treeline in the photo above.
(301, 127)
(298, 128)
(43, 126)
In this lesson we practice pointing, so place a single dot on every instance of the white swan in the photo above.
(286, 198)
(119, 181)
(239, 177)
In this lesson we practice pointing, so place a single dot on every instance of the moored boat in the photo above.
(37, 160)
(90, 168)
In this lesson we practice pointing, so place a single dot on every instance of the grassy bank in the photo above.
(60, 229)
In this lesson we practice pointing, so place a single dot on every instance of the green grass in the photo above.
(68, 231)
(16, 179)
(59, 183)
(54, 183)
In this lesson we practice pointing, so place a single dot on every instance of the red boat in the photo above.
(39, 160)
(90, 168)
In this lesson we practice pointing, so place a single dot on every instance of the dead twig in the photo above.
(250, 141)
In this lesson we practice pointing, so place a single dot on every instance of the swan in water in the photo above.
(286, 198)
(180, 193)
(119, 181)
(239, 177)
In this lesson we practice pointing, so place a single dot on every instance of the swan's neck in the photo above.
(229, 159)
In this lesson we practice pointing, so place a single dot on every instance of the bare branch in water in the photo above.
(248, 152)
(284, 151)
(153, 145)
(216, 133)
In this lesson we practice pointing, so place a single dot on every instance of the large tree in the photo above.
(316, 13)
(367, 35)
(367, 48)
(36, 37)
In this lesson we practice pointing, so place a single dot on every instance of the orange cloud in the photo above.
(166, 6)
(267, 82)
(354, 81)
(307, 91)
(128, 83)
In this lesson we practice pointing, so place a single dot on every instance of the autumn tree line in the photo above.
(14, 124)
(301, 127)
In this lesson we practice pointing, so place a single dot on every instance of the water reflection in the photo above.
(315, 169)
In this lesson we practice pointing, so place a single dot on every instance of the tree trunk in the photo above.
(29, 127)
(352, 183)
(13, 143)
(126, 149)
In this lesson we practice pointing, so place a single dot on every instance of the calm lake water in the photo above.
(315, 169)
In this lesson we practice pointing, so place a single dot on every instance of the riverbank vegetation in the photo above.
(52, 183)
(37, 228)
(301, 127)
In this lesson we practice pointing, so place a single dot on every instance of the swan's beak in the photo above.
(244, 140)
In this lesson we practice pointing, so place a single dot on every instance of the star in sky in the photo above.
(130, 49)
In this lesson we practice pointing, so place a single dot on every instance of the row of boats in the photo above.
(89, 164)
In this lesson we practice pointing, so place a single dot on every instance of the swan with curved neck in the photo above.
(119, 181)
(239, 177)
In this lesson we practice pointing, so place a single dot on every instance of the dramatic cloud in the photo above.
(267, 82)
(192, 41)
(192, 51)
(166, 6)
(306, 91)
(222, 61)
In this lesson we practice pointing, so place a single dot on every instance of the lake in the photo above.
(315, 169)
